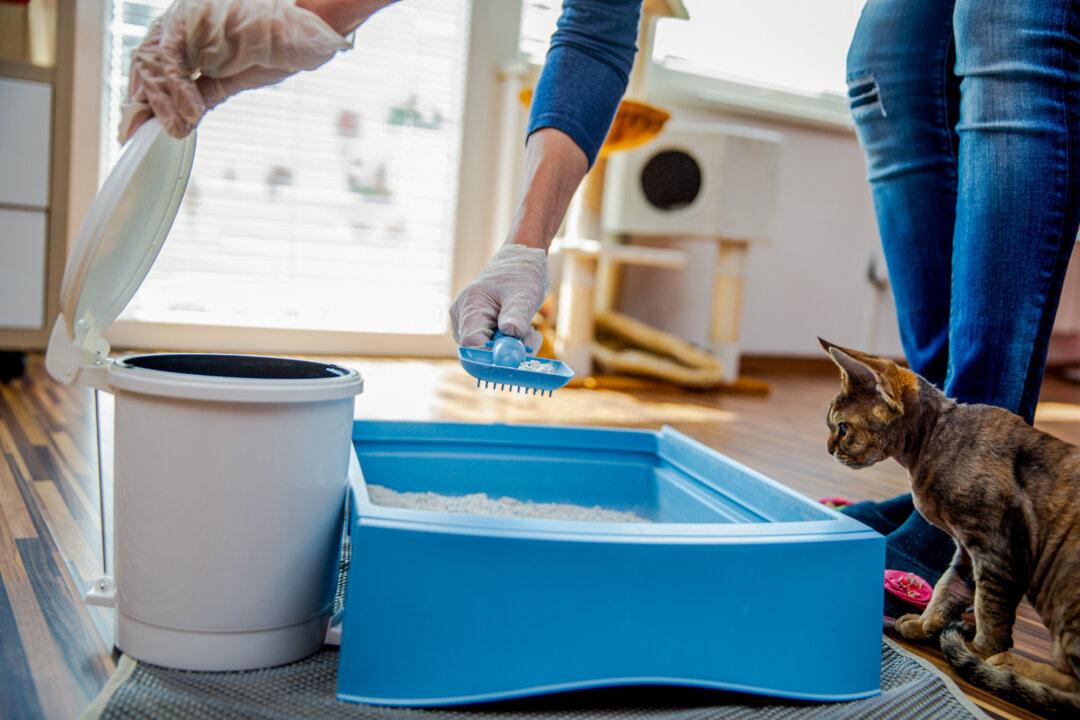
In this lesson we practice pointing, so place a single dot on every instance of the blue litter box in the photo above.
(737, 583)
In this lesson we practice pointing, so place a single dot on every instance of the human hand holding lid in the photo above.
(200, 52)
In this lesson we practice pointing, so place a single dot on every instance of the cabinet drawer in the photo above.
(22, 268)
(25, 124)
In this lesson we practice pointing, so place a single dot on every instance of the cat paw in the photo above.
(911, 627)
(933, 625)
(1004, 659)
(1040, 672)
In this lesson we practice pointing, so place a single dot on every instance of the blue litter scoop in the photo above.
(504, 363)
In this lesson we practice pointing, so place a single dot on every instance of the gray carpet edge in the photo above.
(916, 689)
(949, 683)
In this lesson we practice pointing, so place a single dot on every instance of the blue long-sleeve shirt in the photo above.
(587, 69)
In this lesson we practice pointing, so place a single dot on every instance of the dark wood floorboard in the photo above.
(53, 654)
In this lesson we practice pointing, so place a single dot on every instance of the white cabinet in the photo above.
(22, 268)
(35, 109)
(25, 136)
(25, 126)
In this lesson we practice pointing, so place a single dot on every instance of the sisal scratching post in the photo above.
(574, 321)
(727, 305)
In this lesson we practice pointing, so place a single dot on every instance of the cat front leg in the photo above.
(953, 593)
(997, 596)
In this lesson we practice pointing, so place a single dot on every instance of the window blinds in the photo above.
(324, 202)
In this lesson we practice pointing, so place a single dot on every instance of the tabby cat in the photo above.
(1008, 494)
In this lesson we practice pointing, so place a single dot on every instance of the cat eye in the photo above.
(841, 430)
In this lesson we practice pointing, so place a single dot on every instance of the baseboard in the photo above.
(791, 365)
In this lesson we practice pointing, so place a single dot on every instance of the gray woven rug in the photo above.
(910, 688)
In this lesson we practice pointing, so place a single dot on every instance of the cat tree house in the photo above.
(696, 181)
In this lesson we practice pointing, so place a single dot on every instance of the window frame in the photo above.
(490, 48)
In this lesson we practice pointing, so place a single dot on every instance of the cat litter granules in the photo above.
(482, 504)
(537, 366)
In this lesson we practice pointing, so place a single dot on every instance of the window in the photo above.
(326, 202)
(538, 18)
(784, 44)
(789, 47)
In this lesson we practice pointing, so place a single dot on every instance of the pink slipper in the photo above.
(836, 502)
(909, 587)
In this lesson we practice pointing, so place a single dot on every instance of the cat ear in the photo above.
(852, 370)
(855, 371)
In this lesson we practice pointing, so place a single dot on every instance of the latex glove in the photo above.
(506, 294)
(229, 45)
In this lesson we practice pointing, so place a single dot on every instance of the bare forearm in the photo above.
(554, 167)
(344, 16)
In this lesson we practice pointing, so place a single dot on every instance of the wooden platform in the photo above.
(51, 648)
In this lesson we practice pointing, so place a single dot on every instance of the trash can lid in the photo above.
(121, 237)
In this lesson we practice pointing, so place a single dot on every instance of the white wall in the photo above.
(812, 279)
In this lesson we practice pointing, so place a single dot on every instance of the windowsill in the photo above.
(704, 92)
(190, 337)
(695, 90)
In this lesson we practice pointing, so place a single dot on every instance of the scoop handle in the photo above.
(507, 350)
(500, 334)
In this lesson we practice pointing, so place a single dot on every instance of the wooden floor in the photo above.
(52, 653)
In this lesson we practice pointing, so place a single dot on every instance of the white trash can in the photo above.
(230, 470)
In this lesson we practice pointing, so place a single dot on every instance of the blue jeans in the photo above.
(967, 113)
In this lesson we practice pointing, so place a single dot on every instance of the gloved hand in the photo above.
(506, 294)
(229, 46)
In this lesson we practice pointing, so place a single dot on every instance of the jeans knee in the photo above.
(867, 39)
(1015, 38)
(864, 97)
(1014, 61)
(870, 31)
(902, 49)
(900, 96)
(983, 30)
(865, 60)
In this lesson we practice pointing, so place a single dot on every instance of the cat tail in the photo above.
(1003, 681)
